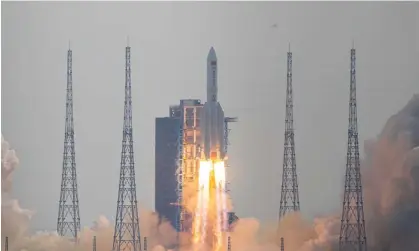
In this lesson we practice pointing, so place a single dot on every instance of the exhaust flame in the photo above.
(220, 179)
(210, 214)
(200, 221)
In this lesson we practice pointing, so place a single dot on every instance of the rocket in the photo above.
(212, 117)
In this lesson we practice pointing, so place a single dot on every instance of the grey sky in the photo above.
(170, 42)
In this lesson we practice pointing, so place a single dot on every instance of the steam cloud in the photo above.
(391, 183)
(390, 175)
(14, 219)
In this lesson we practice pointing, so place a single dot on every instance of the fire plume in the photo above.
(210, 219)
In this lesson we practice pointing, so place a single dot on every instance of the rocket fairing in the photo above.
(212, 118)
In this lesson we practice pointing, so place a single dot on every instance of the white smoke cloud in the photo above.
(14, 219)
(391, 181)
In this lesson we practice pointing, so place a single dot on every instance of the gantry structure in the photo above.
(188, 160)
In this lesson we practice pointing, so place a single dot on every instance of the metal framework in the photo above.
(127, 229)
(94, 243)
(188, 161)
(180, 216)
(68, 222)
(227, 130)
(289, 190)
(227, 120)
(352, 232)
(228, 243)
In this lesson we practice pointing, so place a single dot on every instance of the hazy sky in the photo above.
(170, 42)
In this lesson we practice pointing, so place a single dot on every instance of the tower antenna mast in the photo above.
(352, 232)
(68, 223)
(127, 228)
(289, 190)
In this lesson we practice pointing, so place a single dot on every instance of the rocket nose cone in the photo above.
(211, 55)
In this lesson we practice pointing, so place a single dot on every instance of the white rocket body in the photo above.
(212, 118)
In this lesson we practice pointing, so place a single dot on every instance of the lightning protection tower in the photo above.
(127, 229)
(289, 190)
(68, 223)
(352, 232)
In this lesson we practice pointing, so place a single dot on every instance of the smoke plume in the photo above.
(391, 183)
(14, 219)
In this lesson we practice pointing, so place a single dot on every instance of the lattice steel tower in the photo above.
(352, 231)
(289, 190)
(127, 228)
(68, 223)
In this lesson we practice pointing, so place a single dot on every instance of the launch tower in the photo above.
(289, 190)
(352, 232)
(188, 160)
(68, 223)
(127, 229)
